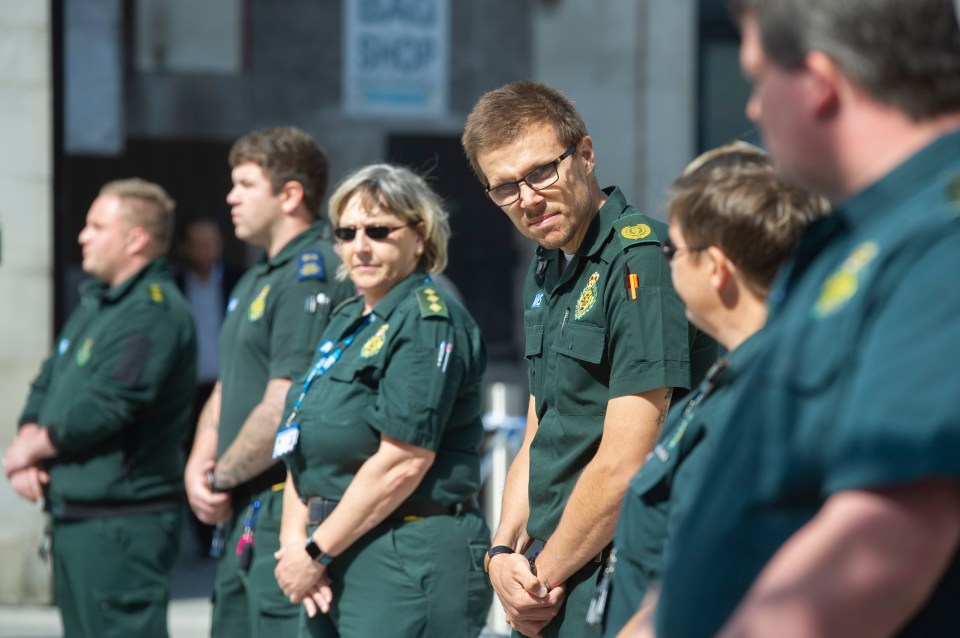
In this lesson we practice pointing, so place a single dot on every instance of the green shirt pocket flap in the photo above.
(534, 341)
(582, 342)
(650, 476)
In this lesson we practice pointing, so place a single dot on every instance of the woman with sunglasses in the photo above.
(381, 532)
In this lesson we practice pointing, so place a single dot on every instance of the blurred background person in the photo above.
(733, 222)
(382, 438)
(101, 435)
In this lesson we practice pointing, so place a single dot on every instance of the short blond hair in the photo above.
(148, 206)
(400, 191)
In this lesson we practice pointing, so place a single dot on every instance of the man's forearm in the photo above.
(589, 519)
(251, 452)
(862, 567)
(515, 506)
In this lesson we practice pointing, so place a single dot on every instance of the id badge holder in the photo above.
(286, 440)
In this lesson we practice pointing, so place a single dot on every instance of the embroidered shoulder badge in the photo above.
(83, 353)
(842, 285)
(311, 266)
(258, 305)
(431, 305)
(537, 300)
(588, 297)
(156, 293)
(634, 229)
(374, 343)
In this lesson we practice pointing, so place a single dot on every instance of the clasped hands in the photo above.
(302, 579)
(22, 461)
(530, 602)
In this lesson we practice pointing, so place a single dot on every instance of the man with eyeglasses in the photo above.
(274, 319)
(606, 343)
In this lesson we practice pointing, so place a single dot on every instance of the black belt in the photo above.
(266, 480)
(107, 509)
(410, 510)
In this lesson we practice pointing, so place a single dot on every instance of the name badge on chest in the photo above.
(286, 440)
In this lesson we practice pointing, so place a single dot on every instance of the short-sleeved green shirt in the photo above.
(275, 316)
(856, 387)
(660, 494)
(116, 394)
(413, 372)
(588, 341)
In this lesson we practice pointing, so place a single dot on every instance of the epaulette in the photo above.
(634, 229)
(431, 305)
(156, 293)
(311, 266)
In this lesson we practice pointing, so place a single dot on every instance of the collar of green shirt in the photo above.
(293, 247)
(888, 193)
(400, 292)
(598, 234)
(98, 288)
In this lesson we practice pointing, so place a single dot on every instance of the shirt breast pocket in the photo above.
(533, 352)
(349, 388)
(582, 375)
(649, 483)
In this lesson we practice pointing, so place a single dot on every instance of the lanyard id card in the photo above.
(289, 435)
(286, 440)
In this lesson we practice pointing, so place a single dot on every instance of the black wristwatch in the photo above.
(493, 551)
(316, 553)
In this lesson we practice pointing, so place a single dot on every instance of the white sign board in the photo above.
(395, 57)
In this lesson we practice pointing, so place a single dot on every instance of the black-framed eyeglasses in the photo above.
(670, 250)
(537, 179)
(376, 233)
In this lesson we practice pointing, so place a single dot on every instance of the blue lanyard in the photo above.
(329, 356)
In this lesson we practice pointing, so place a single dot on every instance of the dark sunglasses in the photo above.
(376, 233)
(670, 250)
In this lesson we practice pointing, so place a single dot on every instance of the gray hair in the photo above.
(402, 192)
(904, 53)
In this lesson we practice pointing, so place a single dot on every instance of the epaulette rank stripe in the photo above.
(431, 304)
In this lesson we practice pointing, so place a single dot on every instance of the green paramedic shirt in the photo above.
(660, 494)
(588, 341)
(413, 373)
(275, 316)
(855, 388)
(117, 392)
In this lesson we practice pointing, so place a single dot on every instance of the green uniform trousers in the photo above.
(250, 603)
(112, 574)
(421, 579)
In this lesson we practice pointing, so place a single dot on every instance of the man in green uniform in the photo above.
(606, 343)
(733, 222)
(100, 435)
(833, 505)
(274, 319)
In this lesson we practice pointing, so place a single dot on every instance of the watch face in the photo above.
(313, 549)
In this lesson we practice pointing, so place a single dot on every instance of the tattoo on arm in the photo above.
(666, 408)
(251, 452)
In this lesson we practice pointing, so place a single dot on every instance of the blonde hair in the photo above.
(402, 192)
(148, 206)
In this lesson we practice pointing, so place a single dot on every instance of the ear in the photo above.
(826, 84)
(291, 196)
(585, 153)
(421, 228)
(138, 239)
(721, 268)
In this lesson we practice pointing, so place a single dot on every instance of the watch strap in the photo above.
(317, 554)
(493, 551)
